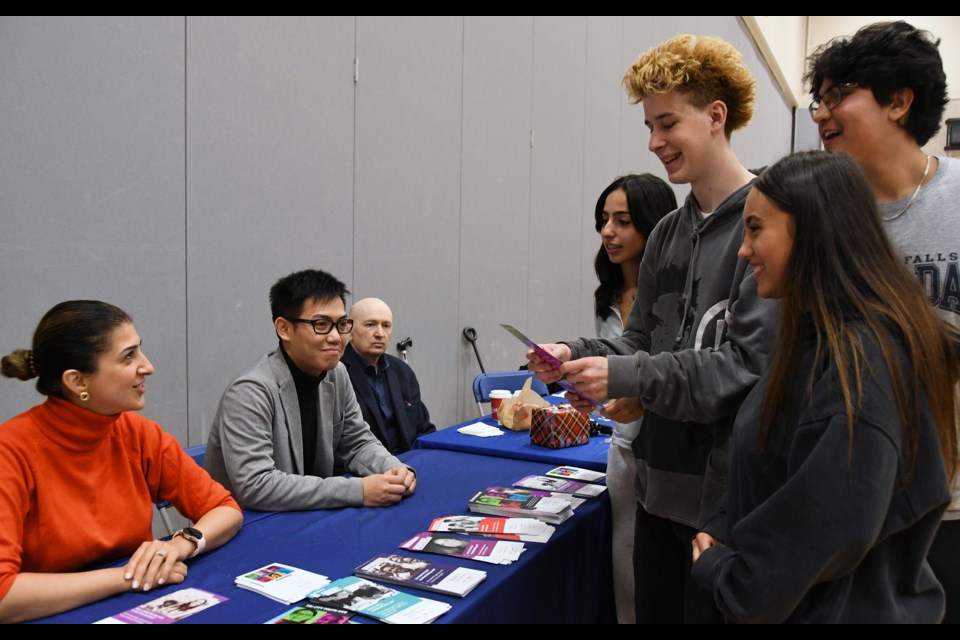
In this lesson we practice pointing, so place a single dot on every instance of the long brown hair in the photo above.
(648, 199)
(842, 274)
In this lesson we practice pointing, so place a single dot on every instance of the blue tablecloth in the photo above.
(567, 580)
(517, 445)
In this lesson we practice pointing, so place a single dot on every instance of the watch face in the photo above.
(193, 533)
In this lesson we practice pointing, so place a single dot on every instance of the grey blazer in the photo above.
(255, 446)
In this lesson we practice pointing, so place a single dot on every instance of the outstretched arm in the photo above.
(34, 595)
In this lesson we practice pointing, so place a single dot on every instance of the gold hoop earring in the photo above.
(84, 395)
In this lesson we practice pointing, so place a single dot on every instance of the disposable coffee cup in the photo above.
(496, 397)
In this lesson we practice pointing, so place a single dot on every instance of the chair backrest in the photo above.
(198, 453)
(484, 383)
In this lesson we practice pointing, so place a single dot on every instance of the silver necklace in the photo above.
(926, 170)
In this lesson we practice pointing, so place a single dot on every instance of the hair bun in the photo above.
(19, 364)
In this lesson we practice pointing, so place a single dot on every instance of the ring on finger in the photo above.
(161, 553)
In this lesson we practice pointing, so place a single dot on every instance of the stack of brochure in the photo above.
(309, 613)
(378, 602)
(576, 473)
(518, 529)
(481, 549)
(281, 582)
(167, 609)
(422, 574)
(527, 503)
(560, 485)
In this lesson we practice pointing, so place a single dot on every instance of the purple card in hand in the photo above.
(549, 359)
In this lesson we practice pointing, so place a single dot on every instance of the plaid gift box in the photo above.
(558, 427)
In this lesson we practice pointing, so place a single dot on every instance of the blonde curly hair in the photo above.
(704, 68)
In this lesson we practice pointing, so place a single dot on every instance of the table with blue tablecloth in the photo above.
(517, 445)
(566, 580)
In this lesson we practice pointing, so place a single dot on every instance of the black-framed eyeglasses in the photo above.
(323, 326)
(831, 97)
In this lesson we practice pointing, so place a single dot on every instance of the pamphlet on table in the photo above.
(577, 473)
(421, 574)
(481, 549)
(560, 485)
(514, 502)
(518, 529)
(281, 582)
(309, 613)
(378, 602)
(168, 608)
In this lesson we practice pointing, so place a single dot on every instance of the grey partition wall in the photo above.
(407, 215)
(92, 186)
(494, 198)
(556, 182)
(450, 165)
(270, 116)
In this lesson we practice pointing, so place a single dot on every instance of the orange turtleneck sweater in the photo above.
(77, 487)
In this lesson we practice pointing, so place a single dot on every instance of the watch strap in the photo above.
(201, 542)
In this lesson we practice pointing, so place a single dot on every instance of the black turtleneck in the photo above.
(308, 397)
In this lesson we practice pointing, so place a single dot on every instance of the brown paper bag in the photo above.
(516, 413)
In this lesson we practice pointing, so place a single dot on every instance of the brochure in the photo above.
(481, 549)
(421, 574)
(281, 582)
(168, 608)
(560, 485)
(577, 473)
(510, 501)
(378, 602)
(550, 359)
(519, 529)
(309, 613)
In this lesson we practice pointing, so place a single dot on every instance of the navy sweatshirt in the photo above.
(816, 533)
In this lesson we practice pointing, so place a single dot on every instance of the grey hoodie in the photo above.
(697, 340)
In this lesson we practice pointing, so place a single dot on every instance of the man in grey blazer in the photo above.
(286, 429)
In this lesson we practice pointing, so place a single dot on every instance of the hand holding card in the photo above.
(551, 360)
(547, 357)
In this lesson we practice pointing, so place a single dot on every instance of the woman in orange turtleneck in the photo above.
(79, 474)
